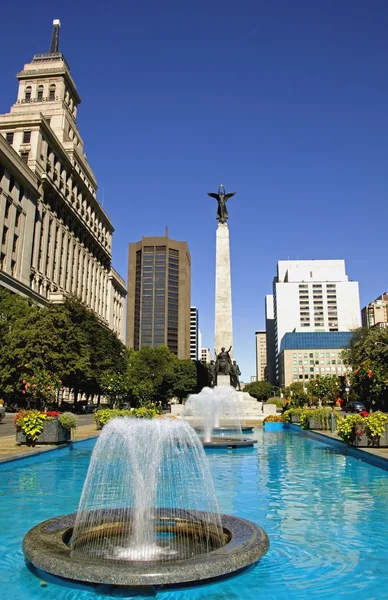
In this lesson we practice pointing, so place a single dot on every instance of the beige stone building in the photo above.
(375, 314)
(158, 307)
(56, 237)
(261, 356)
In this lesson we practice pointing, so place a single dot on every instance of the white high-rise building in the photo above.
(194, 349)
(314, 295)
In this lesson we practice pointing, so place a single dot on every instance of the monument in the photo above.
(223, 330)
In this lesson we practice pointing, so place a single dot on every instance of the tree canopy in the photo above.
(261, 390)
(367, 359)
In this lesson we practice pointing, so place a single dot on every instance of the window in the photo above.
(26, 137)
(52, 92)
(15, 243)
(24, 156)
(17, 219)
(27, 94)
(39, 95)
(9, 137)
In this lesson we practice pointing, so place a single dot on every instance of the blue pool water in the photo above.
(326, 515)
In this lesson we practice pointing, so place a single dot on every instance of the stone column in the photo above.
(223, 334)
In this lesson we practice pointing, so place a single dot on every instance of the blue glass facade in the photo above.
(315, 340)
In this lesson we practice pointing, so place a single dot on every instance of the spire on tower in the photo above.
(54, 46)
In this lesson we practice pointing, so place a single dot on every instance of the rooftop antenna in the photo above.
(166, 231)
(54, 46)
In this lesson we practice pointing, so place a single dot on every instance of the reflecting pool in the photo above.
(325, 514)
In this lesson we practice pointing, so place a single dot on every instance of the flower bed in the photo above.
(39, 427)
(102, 416)
(365, 431)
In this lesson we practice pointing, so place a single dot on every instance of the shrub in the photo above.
(375, 425)
(102, 416)
(68, 420)
(322, 415)
(350, 428)
(290, 412)
(279, 402)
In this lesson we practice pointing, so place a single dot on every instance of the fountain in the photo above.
(148, 514)
(217, 414)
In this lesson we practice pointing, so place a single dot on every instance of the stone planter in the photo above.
(365, 442)
(53, 433)
(295, 419)
(273, 426)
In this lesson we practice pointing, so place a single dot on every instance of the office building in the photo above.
(194, 333)
(158, 307)
(270, 339)
(56, 239)
(261, 356)
(313, 296)
(304, 356)
(375, 314)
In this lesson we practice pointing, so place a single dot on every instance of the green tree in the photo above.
(323, 388)
(115, 386)
(154, 367)
(261, 390)
(367, 362)
(43, 339)
(184, 378)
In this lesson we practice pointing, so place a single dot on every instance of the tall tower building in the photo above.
(261, 356)
(158, 307)
(56, 238)
(314, 296)
(194, 333)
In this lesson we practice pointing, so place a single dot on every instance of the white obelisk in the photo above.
(223, 332)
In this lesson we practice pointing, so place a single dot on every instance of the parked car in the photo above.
(86, 408)
(354, 407)
(2, 412)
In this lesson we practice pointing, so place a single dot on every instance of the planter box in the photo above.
(53, 433)
(316, 424)
(364, 442)
(273, 426)
(295, 419)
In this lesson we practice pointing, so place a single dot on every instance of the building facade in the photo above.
(375, 314)
(158, 307)
(270, 339)
(194, 333)
(313, 296)
(304, 356)
(261, 356)
(56, 237)
(206, 356)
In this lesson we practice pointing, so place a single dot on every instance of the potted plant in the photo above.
(292, 415)
(39, 427)
(273, 423)
(319, 418)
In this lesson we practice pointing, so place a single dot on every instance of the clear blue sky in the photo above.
(284, 102)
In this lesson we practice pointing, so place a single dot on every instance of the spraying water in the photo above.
(213, 409)
(145, 480)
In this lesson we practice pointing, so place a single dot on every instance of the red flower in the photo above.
(364, 413)
(369, 373)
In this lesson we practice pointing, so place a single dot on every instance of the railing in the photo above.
(32, 100)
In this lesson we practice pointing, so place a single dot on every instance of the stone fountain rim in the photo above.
(228, 442)
(44, 547)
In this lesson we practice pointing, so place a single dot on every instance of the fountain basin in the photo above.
(47, 547)
(224, 430)
(227, 442)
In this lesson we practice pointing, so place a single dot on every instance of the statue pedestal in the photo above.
(223, 380)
